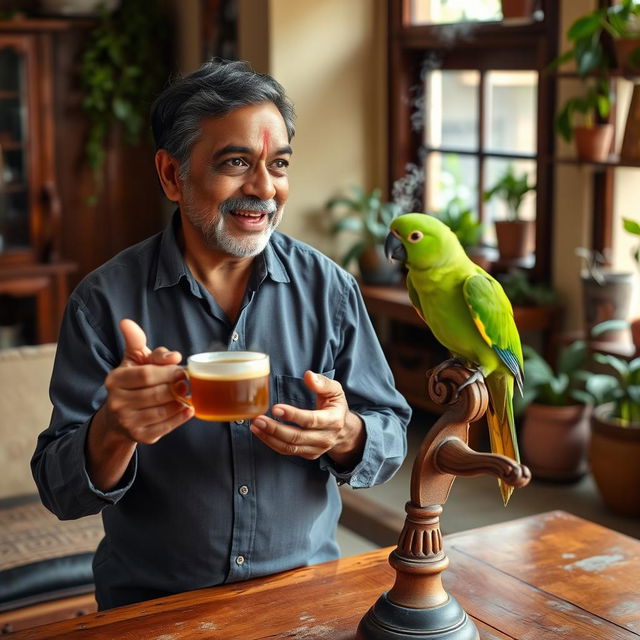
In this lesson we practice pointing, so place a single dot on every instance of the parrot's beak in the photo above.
(393, 249)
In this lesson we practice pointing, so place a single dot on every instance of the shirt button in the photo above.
(244, 490)
(239, 421)
(239, 560)
(235, 336)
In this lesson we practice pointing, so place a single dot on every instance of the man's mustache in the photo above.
(248, 204)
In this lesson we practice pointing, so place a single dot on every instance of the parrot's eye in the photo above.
(415, 236)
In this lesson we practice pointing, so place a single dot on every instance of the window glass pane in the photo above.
(452, 109)
(495, 169)
(448, 11)
(451, 178)
(511, 108)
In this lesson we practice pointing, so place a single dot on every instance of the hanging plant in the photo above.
(123, 68)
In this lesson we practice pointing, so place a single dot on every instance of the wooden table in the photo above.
(552, 576)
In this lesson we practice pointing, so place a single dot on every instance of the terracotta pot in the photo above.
(513, 9)
(555, 441)
(516, 238)
(624, 47)
(593, 144)
(376, 269)
(614, 454)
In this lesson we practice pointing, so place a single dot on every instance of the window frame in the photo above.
(487, 46)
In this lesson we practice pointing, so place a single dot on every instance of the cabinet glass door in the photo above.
(14, 193)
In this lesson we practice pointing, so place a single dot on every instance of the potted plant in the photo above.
(516, 237)
(622, 22)
(367, 217)
(459, 217)
(593, 139)
(557, 409)
(615, 432)
(606, 295)
(633, 227)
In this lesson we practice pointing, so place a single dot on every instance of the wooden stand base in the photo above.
(387, 620)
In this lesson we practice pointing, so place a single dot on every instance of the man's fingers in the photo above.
(143, 377)
(162, 356)
(136, 350)
(290, 441)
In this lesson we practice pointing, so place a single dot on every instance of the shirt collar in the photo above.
(172, 267)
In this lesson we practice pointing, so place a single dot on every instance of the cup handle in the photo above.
(186, 398)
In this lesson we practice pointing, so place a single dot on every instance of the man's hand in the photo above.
(330, 428)
(140, 407)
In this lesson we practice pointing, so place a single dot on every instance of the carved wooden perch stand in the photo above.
(417, 606)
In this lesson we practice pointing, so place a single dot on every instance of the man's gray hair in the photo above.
(213, 90)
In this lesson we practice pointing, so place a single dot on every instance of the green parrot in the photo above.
(468, 312)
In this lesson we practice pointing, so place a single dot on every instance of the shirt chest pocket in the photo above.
(293, 391)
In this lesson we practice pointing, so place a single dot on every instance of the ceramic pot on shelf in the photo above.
(593, 144)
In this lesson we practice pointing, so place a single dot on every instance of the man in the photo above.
(187, 503)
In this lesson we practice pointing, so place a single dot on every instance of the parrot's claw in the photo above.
(476, 376)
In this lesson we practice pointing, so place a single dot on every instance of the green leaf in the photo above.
(620, 366)
(632, 226)
(608, 325)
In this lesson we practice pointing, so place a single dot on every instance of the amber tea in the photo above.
(228, 385)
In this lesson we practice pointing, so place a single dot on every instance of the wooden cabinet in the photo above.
(29, 202)
(50, 234)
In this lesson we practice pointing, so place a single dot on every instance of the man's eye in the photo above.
(280, 163)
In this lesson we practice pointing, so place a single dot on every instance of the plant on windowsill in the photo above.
(592, 138)
(367, 218)
(516, 237)
(123, 67)
(623, 25)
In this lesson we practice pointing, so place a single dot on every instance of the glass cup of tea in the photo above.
(226, 385)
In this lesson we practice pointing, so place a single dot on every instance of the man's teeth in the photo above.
(249, 214)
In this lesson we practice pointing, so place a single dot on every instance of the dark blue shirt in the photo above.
(209, 503)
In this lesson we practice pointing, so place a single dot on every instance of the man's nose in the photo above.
(259, 183)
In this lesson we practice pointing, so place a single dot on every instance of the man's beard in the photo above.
(215, 234)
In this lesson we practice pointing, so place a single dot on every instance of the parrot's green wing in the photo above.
(492, 314)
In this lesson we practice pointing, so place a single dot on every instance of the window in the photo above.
(469, 99)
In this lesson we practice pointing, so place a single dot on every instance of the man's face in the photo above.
(237, 184)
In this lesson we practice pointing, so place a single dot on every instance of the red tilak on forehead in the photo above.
(265, 143)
